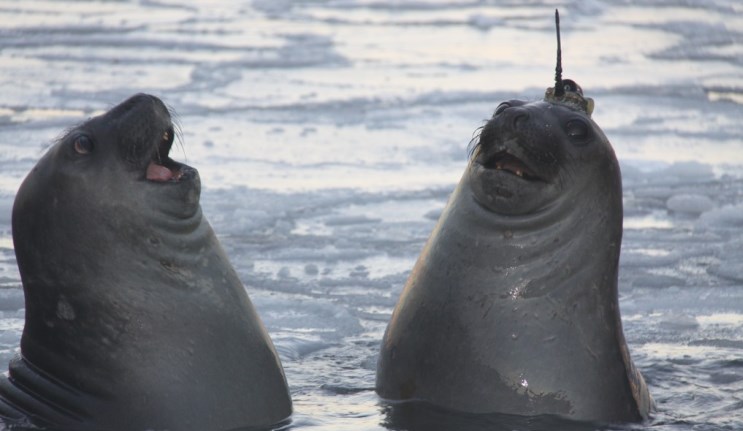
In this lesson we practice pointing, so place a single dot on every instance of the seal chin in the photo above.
(502, 192)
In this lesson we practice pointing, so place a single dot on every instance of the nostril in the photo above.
(519, 119)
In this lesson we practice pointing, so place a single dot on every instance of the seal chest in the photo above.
(512, 305)
(135, 319)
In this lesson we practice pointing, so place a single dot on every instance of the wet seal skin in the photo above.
(135, 319)
(512, 305)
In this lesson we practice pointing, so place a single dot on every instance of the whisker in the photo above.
(178, 131)
(473, 146)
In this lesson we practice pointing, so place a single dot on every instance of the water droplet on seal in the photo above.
(64, 309)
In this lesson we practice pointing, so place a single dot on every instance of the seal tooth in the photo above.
(519, 173)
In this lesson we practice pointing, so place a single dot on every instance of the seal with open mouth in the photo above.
(135, 318)
(512, 305)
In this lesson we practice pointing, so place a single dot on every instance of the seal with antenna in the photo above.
(566, 91)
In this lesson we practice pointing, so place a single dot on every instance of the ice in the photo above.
(679, 322)
(689, 203)
(329, 135)
(485, 22)
(11, 299)
(729, 216)
(689, 171)
(730, 264)
(350, 220)
(6, 210)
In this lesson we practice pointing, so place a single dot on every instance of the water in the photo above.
(329, 134)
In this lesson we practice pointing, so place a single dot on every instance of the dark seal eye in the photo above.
(83, 145)
(578, 131)
(502, 107)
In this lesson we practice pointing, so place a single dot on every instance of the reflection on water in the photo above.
(651, 221)
(722, 319)
(730, 96)
(44, 114)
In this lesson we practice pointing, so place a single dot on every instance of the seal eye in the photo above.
(83, 145)
(502, 107)
(577, 131)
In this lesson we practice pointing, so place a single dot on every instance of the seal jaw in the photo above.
(509, 163)
(161, 168)
(509, 157)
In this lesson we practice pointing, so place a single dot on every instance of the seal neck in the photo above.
(579, 232)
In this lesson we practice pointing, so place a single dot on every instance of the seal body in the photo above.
(135, 318)
(512, 305)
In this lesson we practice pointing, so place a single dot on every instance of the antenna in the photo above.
(559, 90)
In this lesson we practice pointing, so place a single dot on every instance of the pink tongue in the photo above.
(157, 172)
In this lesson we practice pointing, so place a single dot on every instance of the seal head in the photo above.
(135, 318)
(528, 151)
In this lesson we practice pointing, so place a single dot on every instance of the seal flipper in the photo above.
(27, 392)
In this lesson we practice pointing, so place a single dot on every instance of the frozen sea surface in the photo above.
(329, 134)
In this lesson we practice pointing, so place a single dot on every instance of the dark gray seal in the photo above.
(512, 305)
(135, 318)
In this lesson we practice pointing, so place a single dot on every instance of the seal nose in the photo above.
(142, 117)
(141, 104)
(517, 117)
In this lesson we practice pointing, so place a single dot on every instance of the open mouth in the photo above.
(507, 162)
(161, 167)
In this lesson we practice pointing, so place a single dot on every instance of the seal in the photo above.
(512, 305)
(135, 319)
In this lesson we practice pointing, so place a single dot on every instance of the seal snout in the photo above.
(160, 167)
(146, 127)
